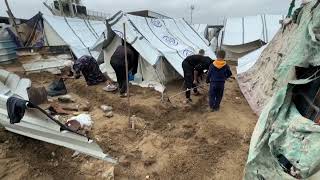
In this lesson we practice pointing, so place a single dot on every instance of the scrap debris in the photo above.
(81, 122)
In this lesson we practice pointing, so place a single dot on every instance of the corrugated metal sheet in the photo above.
(12, 84)
(7, 47)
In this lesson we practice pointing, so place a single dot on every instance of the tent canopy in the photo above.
(79, 34)
(173, 39)
(243, 30)
(201, 29)
(243, 35)
(162, 44)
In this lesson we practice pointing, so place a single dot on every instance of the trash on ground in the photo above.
(106, 108)
(57, 88)
(55, 109)
(84, 121)
(109, 114)
(66, 98)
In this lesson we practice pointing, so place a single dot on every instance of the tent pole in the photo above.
(127, 74)
(12, 18)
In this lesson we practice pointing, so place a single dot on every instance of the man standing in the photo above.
(218, 73)
(118, 63)
(193, 67)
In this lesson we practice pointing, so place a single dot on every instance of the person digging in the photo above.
(193, 67)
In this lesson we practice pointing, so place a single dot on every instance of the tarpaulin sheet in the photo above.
(173, 39)
(79, 34)
(247, 61)
(201, 29)
(32, 33)
(244, 30)
(281, 129)
(174, 45)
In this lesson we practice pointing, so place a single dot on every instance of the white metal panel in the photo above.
(7, 47)
(22, 87)
(44, 65)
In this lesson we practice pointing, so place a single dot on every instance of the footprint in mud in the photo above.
(187, 132)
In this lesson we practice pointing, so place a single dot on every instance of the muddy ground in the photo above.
(172, 141)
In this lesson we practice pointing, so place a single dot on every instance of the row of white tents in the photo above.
(162, 43)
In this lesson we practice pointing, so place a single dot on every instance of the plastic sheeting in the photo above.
(247, 61)
(79, 34)
(281, 129)
(251, 28)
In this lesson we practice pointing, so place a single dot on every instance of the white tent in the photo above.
(247, 61)
(162, 44)
(246, 34)
(201, 29)
(79, 34)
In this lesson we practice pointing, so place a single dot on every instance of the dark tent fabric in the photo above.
(31, 33)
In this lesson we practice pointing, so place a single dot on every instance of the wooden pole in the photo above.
(11, 16)
(127, 73)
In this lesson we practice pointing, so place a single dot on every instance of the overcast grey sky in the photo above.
(206, 11)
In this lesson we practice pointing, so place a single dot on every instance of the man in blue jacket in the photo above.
(218, 73)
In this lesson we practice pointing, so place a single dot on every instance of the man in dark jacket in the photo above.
(193, 67)
(89, 68)
(119, 65)
(218, 73)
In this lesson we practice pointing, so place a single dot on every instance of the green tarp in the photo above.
(281, 129)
